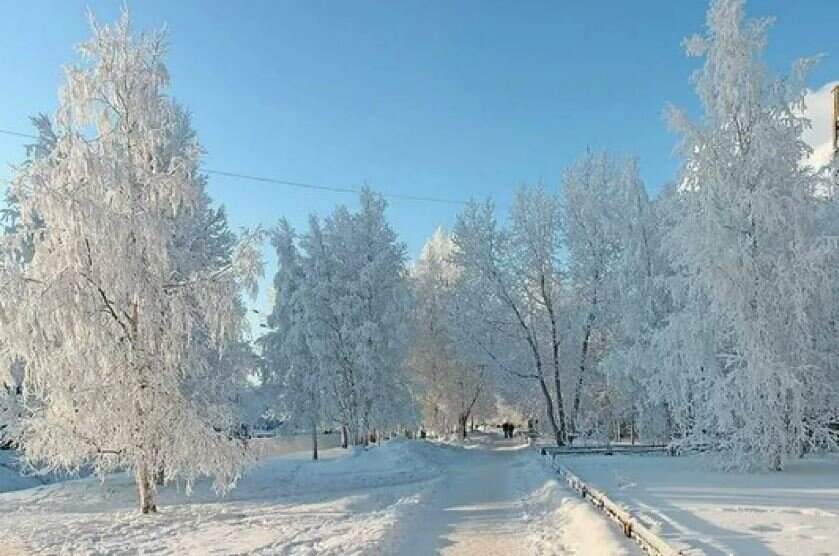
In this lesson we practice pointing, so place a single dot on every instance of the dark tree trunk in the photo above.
(345, 437)
(461, 425)
(549, 407)
(555, 341)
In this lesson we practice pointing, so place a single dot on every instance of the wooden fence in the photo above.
(647, 539)
(607, 449)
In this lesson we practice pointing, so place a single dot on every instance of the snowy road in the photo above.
(498, 500)
(477, 509)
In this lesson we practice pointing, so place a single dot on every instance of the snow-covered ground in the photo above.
(795, 512)
(347, 503)
(406, 497)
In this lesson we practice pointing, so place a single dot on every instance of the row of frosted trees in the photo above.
(705, 317)
(541, 296)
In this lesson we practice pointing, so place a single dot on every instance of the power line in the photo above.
(16, 134)
(302, 185)
(333, 189)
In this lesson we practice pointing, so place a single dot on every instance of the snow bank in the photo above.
(561, 523)
(711, 512)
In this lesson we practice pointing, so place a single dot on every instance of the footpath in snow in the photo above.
(497, 498)
(405, 497)
(794, 512)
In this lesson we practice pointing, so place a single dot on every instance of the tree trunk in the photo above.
(145, 487)
(145, 478)
(159, 470)
(461, 426)
(314, 441)
(549, 406)
(560, 407)
(555, 341)
(776, 461)
(345, 436)
(579, 392)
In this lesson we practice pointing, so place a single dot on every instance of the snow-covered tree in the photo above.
(11, 403)
(382, 297)
(534, 243)
(452, 386)
(739, 357)
(614, 294)
(15, 253)
(291, 369)
(592, 202)
(508, 290)
(345, 322)
(639, 302)
(128, 314)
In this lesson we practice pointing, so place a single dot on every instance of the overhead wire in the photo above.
(291, 183)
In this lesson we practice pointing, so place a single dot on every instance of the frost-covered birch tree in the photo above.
(534, 257)
(591, 215)
(611, 235)
(452, 385)
(739, 353)
(128, 314)
(509, 286)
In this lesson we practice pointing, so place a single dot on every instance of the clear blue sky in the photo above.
(451, 99)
